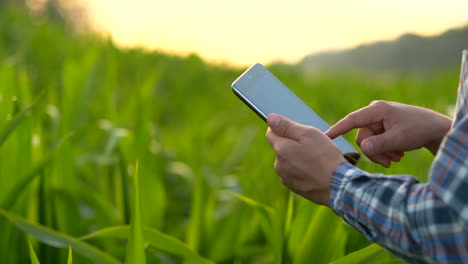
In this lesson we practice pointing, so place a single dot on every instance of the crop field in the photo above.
(111, 155)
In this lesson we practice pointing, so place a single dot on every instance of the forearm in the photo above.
(400, 214)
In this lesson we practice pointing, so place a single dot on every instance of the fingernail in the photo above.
(367, 147)
(273, 120)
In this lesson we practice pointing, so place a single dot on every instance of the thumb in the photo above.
(284, 127)
(379, 144)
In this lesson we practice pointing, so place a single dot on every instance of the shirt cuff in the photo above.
(342, 174)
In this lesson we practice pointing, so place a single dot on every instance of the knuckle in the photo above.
(380, 103)
(376, 102)
(282, 149)
(286, 128)
(310, 131)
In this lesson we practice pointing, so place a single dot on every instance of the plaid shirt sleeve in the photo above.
(418, 222)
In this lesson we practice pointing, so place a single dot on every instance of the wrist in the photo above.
(443, 128)
(321, 195)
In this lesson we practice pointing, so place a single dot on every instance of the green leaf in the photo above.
(12, 195)
(373, 254)
(155, 238)
(251, 202)
(70, 256)
(34, 259)
(324, 240)
(270, 223)
(8, 129)
(197, 211)
(289, 214)
(304, 212)
(59, 240)
(361, 256)
(136, 245)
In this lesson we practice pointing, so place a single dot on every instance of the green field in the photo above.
(77, 113)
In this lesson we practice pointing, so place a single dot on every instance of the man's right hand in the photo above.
(388, 129)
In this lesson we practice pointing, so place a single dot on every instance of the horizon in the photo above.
(229, 33)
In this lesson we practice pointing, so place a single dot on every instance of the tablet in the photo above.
(259, 89)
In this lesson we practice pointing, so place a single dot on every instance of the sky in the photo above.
(242, 32)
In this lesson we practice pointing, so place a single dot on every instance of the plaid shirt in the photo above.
(418, 222)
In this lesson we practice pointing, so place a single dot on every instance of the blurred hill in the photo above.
(408, 53)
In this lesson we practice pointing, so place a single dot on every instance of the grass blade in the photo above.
(34, 259)
(8, 129)
(70, 256)
(270, 223)
(12, 196)
(136, 245)
(373, 254)
(251, 202)
(155, 238)
(289, 214)
(324, 240)
(196, 213)
(361, 256)
(304, 212)
(59, 240)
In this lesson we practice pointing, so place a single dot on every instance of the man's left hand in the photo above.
(305, 157)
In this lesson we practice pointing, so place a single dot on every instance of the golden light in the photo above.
(244, 31)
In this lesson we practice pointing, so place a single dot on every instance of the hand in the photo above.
(305, 158)
(388, 129)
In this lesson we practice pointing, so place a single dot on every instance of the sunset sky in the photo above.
(241, 32)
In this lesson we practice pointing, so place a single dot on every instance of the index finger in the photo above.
(363, 117)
